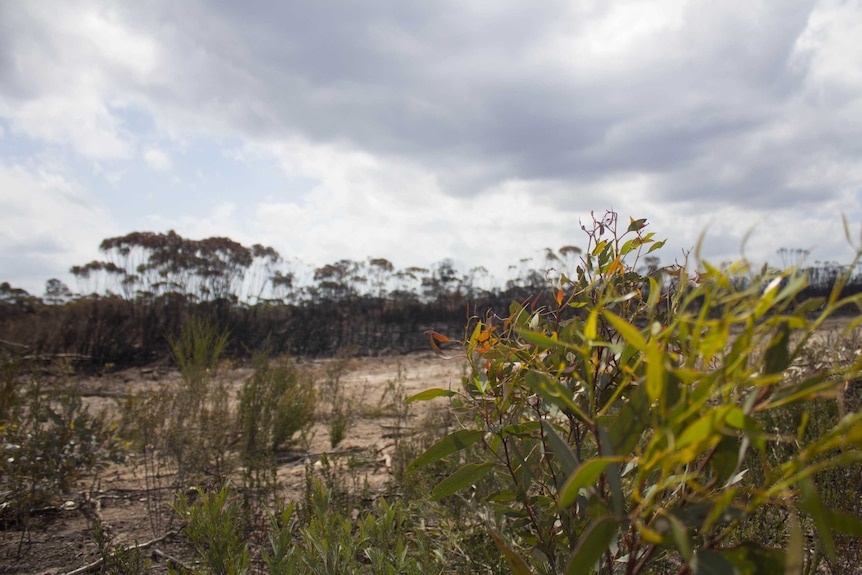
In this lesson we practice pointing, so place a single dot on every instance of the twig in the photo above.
(176, 562)
(14, 344)
(98, 563)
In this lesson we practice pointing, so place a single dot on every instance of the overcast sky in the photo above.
(481, 131)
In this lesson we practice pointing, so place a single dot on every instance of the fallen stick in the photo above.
(176, 562)
(98, 563)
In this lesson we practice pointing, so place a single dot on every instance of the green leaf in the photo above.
(812, 504)
(777, 357)
(628, 426)
(554, 393)
(453, 442)
(713, 563)
(590, 327)
(627, 330)
(541, 340)
(592, 545)
(587, 474)
(847, 524)
(463, 477)
(745, 559)
(656, 246)
(655, 379)
(795, 548)
(635, 225)
(565, 456)
(680, 537)
(430, 394)
(516, 562)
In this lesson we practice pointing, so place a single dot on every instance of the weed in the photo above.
(340, 411)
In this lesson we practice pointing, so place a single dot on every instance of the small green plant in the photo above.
(117, 559)
(214, 527)
(276, 403)
(624, 420)
(182, 429)
(339, 406)
(48, 441)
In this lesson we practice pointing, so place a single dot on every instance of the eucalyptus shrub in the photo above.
(623, 419)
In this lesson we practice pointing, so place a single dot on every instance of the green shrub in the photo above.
(339, 405)
(215, 529)
(48, 441)
(276, 403)
(623, 421)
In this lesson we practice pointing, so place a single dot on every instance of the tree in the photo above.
(56, 292)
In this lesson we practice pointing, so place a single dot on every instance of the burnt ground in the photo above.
(60, 539)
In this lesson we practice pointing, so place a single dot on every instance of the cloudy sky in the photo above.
(481, 131)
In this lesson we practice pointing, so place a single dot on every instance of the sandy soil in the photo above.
(60, 540)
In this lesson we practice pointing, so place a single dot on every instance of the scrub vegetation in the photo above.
(614, 416)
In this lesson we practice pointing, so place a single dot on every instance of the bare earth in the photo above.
(60, 540)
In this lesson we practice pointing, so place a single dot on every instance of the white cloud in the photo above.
(157, 160)
(47, 224)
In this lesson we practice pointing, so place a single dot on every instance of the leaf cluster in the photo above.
(624, 420)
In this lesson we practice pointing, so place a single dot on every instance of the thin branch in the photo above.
(98, 563)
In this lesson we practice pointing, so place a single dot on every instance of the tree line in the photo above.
(147, 284)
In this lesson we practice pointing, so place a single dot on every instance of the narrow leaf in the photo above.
(655, 372)
(430, 394)
(453, 442)
(587, 474)
(463, 477)
(777, 357)
(627, 330)
(592, 545)
(516, 562)
(812, 504)
(565, 456)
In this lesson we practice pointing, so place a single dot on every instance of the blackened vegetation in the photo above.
(149, 284)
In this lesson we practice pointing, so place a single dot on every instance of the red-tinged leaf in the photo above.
(559, 297)
(438, 336)
(635, 225)
(435, 337)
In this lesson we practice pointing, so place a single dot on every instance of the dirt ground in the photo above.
(60, 540)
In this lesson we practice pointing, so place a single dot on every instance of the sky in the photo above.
(480, 131)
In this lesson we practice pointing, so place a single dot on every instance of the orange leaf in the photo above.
(438, 336)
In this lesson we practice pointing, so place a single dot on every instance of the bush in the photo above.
(624, 420)
(48, 440)
(275, 404)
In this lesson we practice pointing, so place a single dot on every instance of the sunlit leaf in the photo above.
(430, 394)
(625, 329)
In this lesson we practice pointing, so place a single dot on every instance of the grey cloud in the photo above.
(464, 91)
